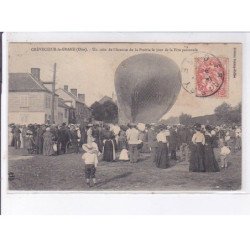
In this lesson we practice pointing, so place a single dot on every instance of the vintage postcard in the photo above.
(124, 116)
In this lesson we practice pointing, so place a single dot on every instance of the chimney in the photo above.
(74, 92)
(66, 87)
(35, 72)
(81, 97)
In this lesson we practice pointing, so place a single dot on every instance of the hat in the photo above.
(197, 126)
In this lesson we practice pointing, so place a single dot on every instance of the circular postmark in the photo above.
(202, 74)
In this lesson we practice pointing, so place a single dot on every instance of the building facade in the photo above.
(80, 112)
(29, 100)
(63, 112)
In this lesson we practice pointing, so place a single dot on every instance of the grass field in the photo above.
(66, 172)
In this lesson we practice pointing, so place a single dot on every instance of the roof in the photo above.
(62, 104)
(104, 99)
(25, 82)
(70, 94)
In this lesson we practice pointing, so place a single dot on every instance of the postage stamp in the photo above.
(210, 76)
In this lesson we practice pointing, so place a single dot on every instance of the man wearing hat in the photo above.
(133, 141)
(63, 138)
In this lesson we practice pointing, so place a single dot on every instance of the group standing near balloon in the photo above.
(163, 144)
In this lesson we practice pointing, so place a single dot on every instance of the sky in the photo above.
(91, 67)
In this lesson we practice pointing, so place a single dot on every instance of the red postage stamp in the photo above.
(210, 73)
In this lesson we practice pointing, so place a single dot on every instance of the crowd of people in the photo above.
(194, 144)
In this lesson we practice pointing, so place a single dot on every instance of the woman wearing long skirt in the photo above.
(48, 143)
(211, 165)
(30, 141)
(122, 139)
(196, 163)
(109, 147)
(23, 135)
(162, 159)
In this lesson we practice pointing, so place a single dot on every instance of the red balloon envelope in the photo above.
(147, 86)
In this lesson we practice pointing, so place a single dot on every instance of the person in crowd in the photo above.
(133, 141)
(152, 141)
(108, 144)
(17, 140)
(48, 142)
(124, 155)
(10, 135)
(224, 153)
(231, 138)
(116, 130)
(173, 143)
(184, 137)
(13, 139)
(143, 138)
(24, 138)
(122, 139)
(90, 161)
(56, 145)
(122, 145)
(145, 146)
(63, 138)
(79, 144)
(74, 139)
(89, 133)
(21, 138)
(83, 132)
(39, 139)
(96, 136)
(30, 140)
(237, 138)
(128, 129)
(162, 158)
(196, 162)
(210, 163)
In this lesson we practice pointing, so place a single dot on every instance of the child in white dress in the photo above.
(90, 160)
(124, 155)
(224, 152)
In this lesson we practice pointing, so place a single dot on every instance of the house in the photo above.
(63, 112)
(107, 98)
(29, 100)
(80, 112)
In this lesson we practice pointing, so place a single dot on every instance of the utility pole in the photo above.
(53, 95)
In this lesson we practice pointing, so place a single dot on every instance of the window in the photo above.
(65, 113)
(24, 101)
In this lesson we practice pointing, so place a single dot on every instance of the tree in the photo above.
(185, 119)
(97, 111)
(223, 112)
(110, 112)
(235, 114)
(107, 112)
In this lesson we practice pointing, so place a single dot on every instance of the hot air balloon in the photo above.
(147, 86)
